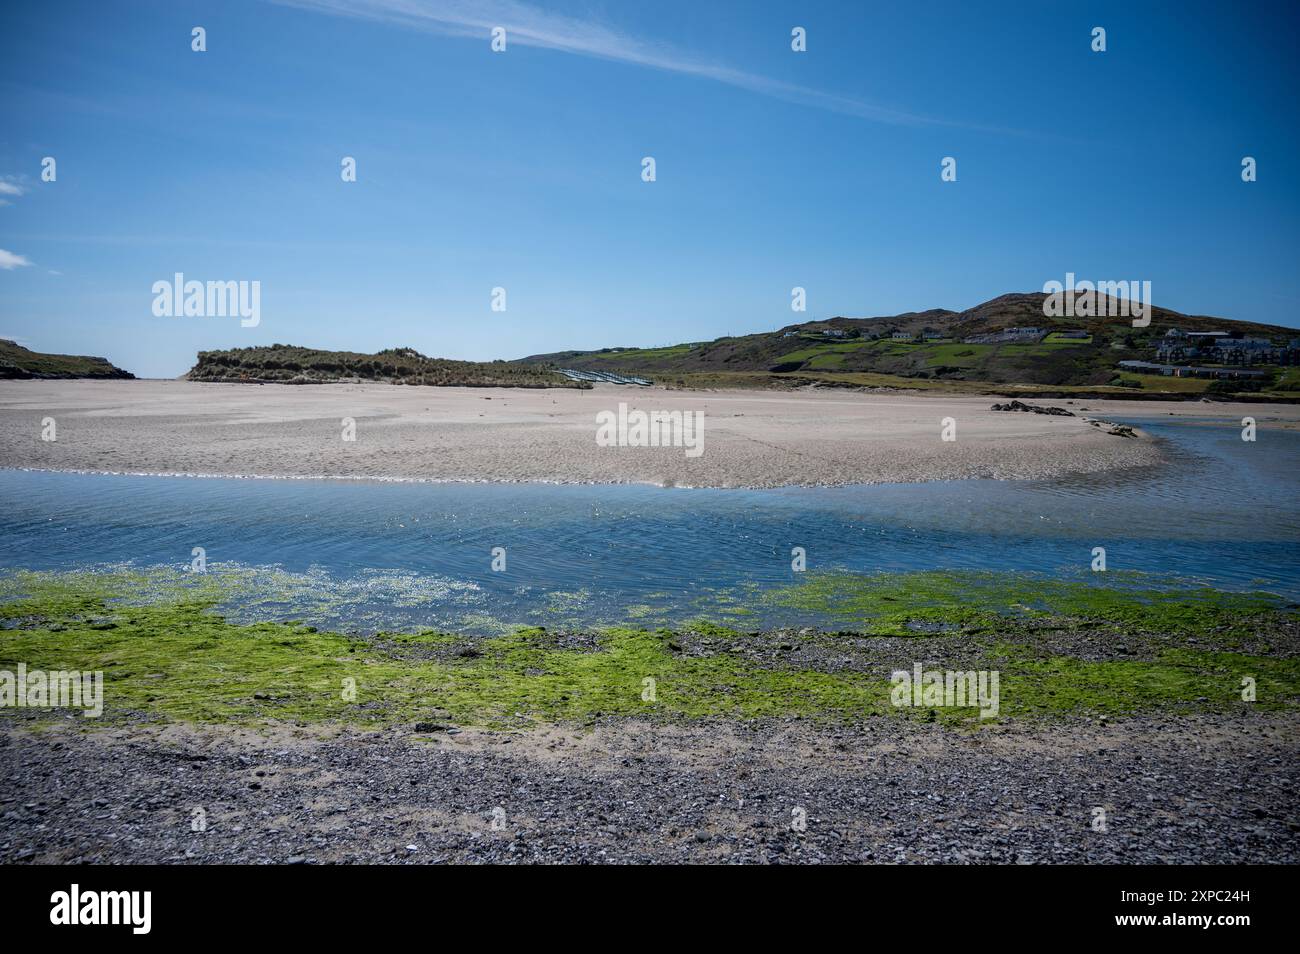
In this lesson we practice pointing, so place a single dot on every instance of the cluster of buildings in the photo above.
(1017, 334)
(824, 332)
(1220, 347)
(1189, 371)
(926, 335)
(1226, 355)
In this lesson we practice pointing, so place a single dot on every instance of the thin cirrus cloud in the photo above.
(9, 187)
(527, 25)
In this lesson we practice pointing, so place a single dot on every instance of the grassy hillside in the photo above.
(18, 362)
(865, 354)
(294, 365)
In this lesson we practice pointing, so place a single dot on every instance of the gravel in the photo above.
(1191, 789)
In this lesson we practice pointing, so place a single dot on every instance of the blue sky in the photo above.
(522, 169)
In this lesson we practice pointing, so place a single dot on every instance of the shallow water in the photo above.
(371, 555)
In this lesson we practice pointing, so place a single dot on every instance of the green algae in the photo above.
(166, 652)
(1180, 680)
(903, 604)
(183, 661)
(255, 593)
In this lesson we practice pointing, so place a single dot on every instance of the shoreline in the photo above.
(557, 766)
(752, 440)
(538, 482)
(542, 745)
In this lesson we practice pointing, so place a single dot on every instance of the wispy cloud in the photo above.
(8, 186)
(10, 260)
(527, 25)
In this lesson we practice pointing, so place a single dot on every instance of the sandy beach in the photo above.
(750, 438)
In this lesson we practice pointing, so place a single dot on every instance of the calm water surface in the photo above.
(392, 555)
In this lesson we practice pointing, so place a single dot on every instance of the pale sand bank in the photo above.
(751, 438)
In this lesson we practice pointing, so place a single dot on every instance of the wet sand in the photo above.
(750, 438)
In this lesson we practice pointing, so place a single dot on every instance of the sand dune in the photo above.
(751, 438)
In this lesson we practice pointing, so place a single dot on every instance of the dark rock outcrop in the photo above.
(1032, 409)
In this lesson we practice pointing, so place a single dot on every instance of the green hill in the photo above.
(17, 362)
(290, 364)
(938, 352)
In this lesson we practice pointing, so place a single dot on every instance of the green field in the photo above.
(823, 350)
(647, 354)
(1289, 380)
(1038, 347)
(958, 355)
(1167, 383)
